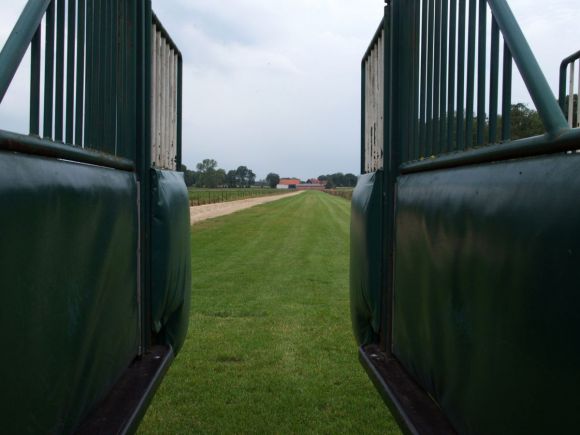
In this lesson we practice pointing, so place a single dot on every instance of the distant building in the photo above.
(289, 181)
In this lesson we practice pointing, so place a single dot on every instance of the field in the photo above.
(212, 196)
(270, 348)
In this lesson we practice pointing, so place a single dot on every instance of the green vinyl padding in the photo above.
(365, 258)
(487, 293)
(171, 257)
(68, 287)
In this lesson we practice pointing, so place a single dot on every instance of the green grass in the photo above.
(212, 196)
(270, 348)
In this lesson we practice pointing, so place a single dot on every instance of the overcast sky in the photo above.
(275, 86)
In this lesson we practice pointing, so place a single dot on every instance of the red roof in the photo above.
(289, 181)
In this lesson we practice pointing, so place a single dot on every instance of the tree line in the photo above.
(208, 175)
(338, 180)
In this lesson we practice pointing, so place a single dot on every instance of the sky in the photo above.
(275, 86)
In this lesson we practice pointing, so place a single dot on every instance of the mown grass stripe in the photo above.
(270, 348)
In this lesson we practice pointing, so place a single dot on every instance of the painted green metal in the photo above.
(430, 61)
(460, 136)
(363, 117)
(481, 74)
(80, 88)
(44, 147)
(69, 292)
(452, 71)
(17, 43)
(437, 79)
(507, 94)
(171, 258)
(144, 20)
(423, 83)
(180, 113)
(433, 106)
(49, 72)
(554, 120)
(70, 72)
(89, 76)
(486, 283)
(35, 83)
(494, 82)
(366, 257)
(563, 76)
(470, 74)
(444, 77)
(97, 117)
(59, 76)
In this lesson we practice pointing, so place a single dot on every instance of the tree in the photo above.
(231, 179)
(207, 165)
(525, 122)
(245, 177)
(208, 175)
(350, 180)
(188, 176)
(273, 180)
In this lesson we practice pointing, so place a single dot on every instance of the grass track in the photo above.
(270, 349)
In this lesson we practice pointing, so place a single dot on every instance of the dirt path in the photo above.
(202, 212)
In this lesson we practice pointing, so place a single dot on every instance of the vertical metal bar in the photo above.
(416, 76)
(571, 95)
(430, 34)
(98, 77)
(170, 95)
(80, 103)
(577, 123)
(123, 148)
(70, 73)
(49, 72)
(179, 112)
(144, 155)
(35, 83)
(423, 83)
(494, 82)
(470, 74)
(460, 136)
(159, 90)
(154, 107)
(175, 97)
(109, 107)
(444, 60)
(59, 94)
(115, 47)
(437, 80)
(507, 95)
(452, 67)
(89, 75)
(363, 116)
(481, 73)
